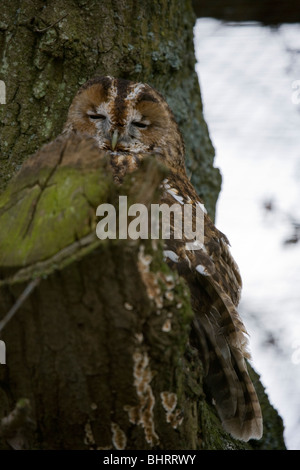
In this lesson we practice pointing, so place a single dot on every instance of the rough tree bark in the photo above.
(100, 348)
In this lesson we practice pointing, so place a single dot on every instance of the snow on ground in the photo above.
(247, 73)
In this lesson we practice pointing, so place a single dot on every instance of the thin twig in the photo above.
(51, 25)
(61, 259)
(10, 424)
(27, 291)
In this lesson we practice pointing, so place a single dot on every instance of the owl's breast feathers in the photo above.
(123, 163)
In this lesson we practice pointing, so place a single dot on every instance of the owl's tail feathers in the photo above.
(228, 381)
(247, 423)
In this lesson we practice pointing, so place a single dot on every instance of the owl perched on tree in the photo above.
(130, 121)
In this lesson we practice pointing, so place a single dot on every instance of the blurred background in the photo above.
(248, 65)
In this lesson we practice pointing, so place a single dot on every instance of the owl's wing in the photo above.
(215, 284)
(227, 376)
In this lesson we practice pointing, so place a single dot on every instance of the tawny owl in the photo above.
(130, 120)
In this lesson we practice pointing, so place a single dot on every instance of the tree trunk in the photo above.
(98, 355)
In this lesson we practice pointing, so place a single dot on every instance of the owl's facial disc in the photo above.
(127, 118)
(125, 135)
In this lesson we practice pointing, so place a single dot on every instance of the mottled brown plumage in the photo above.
(130, 120)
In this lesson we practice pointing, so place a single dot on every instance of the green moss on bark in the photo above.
(48, 209)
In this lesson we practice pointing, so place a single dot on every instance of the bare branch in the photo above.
(11, 423)
(27, 291)
(51, 25)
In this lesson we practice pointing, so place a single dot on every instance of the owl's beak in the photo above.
(114, 139)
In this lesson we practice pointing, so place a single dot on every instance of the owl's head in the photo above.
(126, 117)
